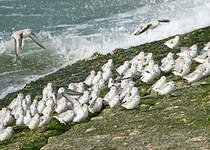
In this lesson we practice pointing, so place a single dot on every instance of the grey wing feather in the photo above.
(18, 44)
(72, 92)
(142, 30)
(35, 39)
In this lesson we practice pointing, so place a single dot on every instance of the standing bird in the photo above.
(18, 37)
(151, 25)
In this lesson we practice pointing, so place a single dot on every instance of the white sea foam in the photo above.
(67, 43)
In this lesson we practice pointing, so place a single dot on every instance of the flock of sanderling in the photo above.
(74, 104)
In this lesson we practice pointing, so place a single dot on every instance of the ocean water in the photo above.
(75, 29)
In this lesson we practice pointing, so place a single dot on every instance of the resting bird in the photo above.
(150, 25)
(18, 37)
(172, 43)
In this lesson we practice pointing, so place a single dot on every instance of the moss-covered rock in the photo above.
(181, 121)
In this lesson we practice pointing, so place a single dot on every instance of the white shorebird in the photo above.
(108, 65)
(167, 88)
(131, 71)
(149, 76)
(159, 83)
(80, 111)
(44, 120)
(150, 66)
(107, 74)
(140, 67)
(61, 105)
(194, 76)
(192, 51)
(181, 70)
(80, 87)
(205, 67)
(151, 25)
(14, 102)
(6, 133)
(112, 93)
(89, 78)
(20, 35)
(123, 68)
(183, 60)
(167, 63)
(84, 99)
(124, 83)
(72, 86)
(27, 117)
(33, 107)
(95, 105)
(126, 89)
(65, 117)
(132, 103)
(19, 120)
(18, 111)
(97, 78)
(132, 93)
(114, 101)
(172, 43)
(41, 106)
(34, 122)
(147, 59)
(203, 57)
(138, 58)
(101, 84)
(8, 118)
(48, 90)
(27, 101)
(47, 110)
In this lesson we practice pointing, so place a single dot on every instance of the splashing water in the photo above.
(75, 30)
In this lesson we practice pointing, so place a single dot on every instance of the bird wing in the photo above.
(35, 39)
(142, 30)
(18, 43)
(164, 20)
(72, 92)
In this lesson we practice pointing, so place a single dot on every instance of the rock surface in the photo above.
(181, 121)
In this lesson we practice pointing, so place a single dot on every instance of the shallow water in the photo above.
(75, 29)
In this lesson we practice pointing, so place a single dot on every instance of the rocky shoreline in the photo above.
(160, 122)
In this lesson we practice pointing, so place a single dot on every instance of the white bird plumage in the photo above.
(20, 35)
(172, 43)
(65, 117)
(6, 133)
(159, 83)
(95, 105)
(132, 102)
(167, 88)
(89, 78)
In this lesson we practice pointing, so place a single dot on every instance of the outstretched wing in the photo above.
(142, 30)
(35, 39)
(18, 43)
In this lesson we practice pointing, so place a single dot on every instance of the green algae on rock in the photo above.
(160, 122)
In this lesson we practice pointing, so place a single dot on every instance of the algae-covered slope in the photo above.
(162, 122)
